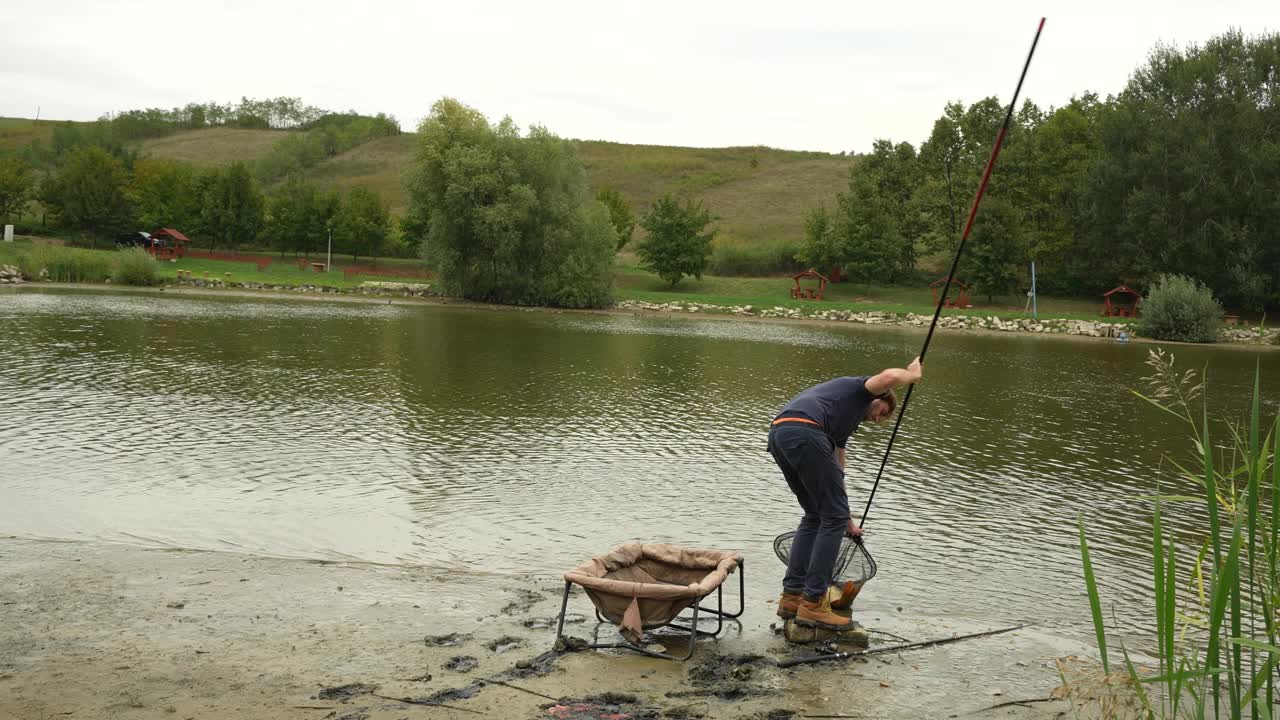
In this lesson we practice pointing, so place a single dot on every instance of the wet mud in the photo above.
(345, 692)
(525, 599)
(363, 653)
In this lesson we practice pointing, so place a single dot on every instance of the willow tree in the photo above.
(504, 217)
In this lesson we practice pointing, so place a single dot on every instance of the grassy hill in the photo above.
(760, 194)
(16, 132)
(214, 146)
(762, 203)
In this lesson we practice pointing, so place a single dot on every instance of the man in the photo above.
(807, 439)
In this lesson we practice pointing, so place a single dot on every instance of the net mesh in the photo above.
(853, 563)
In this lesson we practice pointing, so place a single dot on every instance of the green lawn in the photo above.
(280, 272)
(284, 272)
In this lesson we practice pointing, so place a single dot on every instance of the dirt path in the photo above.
(115, 631)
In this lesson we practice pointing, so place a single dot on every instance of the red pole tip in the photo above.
(1041, 25)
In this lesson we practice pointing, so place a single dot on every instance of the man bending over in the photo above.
(807, 439)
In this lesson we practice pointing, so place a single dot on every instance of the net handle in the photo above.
(955, 262)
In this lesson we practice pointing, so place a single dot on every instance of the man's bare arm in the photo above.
(840, 457)
(893, 378)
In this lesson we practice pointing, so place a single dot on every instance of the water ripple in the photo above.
(527, 441)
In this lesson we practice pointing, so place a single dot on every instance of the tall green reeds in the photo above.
(1203, 641)
(64, 264)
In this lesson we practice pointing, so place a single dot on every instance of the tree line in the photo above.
(281, 113)
(1178, 173)
(101, 195)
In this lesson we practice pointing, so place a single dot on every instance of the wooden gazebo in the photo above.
(1119, 307)
(167, 244)
(803, 293)
(962, 293)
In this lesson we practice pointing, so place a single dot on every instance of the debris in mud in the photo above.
(527, 668)
(345, 692)
(450, 695)
(541, 623)
(525, 599)
(176, 605)
(461, 663)
(449, 640)
(503, 644)
(357, 714)
(605, 706)
(724, 669)
(725, 677)
(569, 643)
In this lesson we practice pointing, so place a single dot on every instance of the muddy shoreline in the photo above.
(621, 310)
(100, 630)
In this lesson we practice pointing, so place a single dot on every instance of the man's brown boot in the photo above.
(817, 613)
(788, 604)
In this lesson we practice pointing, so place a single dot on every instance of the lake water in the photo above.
(524, 442)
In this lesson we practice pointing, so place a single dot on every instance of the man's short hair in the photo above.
(889, 397)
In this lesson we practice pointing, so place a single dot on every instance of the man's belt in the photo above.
(795, 419)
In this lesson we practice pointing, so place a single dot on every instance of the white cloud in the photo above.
(805, 75)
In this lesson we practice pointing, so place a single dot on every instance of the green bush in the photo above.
(135, 266)
(756, 259)
(63, 264)
(1179, 308)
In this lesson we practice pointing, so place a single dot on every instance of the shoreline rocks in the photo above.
(1056, 326)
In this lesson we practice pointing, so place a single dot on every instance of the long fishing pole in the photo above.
(792, 662)
(955, 262)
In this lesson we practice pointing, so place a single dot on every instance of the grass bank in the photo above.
(633, 283)
(95, 266)
(630, 283)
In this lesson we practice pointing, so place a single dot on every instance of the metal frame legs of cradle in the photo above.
(718, 612)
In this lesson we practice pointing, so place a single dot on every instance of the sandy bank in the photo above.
(115, 631)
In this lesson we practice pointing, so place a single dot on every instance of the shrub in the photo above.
(768, 258)
(135, 266)
(1179, 308)
(63, 264)
(676, 244)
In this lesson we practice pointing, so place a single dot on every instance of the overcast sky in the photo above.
(799, 75)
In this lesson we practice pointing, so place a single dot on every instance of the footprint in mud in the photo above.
(503, 644)
(461, 663)
(542, 623)
(449, 640)
(525, 599)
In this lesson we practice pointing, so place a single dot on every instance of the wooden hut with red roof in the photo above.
(1121, 301)
(167, 244)
(803, 293)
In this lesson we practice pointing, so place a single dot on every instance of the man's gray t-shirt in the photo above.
(837, 405)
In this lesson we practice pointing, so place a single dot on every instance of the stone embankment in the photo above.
(380, 289)
(10, 275)
(1085, 328)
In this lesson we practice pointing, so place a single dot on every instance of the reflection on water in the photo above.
(522, 441)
